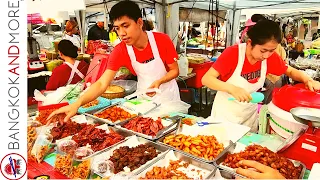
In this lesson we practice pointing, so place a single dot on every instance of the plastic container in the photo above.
(82, 152)
(67, 147)
(200, 70)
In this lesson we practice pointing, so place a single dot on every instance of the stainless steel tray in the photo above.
(160, 141)
(199, 164)
(165, 132)
(158, 147)
(122, 133)
(107, 121)
(223, 156)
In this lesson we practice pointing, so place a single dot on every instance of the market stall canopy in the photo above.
(100, 5)
(249, 4)
(199, 15)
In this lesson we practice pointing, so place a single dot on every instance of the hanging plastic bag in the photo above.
(183, 64)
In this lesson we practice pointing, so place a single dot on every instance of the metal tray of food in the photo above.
(169, 126)
(207, 170)
(232, 149)
(119, 131)
(160, 141)
(107, 121)
(132, 141)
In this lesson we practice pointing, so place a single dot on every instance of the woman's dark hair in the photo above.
(125, 8)
(257, 17)
(67, 48)
(264, 31)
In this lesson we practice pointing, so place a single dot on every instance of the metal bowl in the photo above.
(305, 115)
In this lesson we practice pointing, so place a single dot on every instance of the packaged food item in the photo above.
(32, 135)
(80, 169)
(83, 152)
(41, 146)
(67, 147)
(63, 163)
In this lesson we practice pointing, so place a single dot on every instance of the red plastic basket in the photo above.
(200, 70)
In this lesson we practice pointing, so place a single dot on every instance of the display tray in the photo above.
(227, 145)
(132, 141)
(169, 126)
(91, 114)
(107, 128)
(237, 147)
(196, 169)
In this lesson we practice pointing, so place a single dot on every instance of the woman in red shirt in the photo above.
(242, 69)
(71, 71)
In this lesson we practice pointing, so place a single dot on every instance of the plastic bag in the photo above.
(41, 146)
(170, 107)
(183, 64)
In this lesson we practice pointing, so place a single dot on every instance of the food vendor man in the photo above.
(241, 70)
(149, 55)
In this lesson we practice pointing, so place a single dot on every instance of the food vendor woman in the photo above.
(149, 55)
(71, 71)
(241, 70)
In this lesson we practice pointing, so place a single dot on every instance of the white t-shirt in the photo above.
(74, 39)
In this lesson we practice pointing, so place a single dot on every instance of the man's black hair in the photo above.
(264, 31)
(125, 8)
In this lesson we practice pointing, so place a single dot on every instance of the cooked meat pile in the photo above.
(145, 125)
(266, 157)
(66, 129)
(97, 138)
(132, 158)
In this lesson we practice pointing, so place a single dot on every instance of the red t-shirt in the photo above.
(228, 60)
(60, 75)
(120, 57)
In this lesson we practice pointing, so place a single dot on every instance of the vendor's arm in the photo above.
(302, 77)
(210, 79)
(94, 90)
(172, 74)
(221, 70)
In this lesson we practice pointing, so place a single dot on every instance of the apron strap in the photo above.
(241, 57)
(74, 70)
(153, 45)
(131, 53)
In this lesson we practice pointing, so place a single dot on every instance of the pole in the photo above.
(164, 16)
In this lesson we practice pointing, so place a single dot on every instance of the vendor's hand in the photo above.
(312, 85)
(156, 84)
(262, 171)
(69, 110)
(239, 94)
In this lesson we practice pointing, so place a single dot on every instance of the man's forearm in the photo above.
(172, 74)
(98, 88)
(93, 93)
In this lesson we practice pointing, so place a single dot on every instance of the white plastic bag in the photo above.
(170, 107)
(183, 64)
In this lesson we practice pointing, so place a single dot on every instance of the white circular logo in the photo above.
(13, 166)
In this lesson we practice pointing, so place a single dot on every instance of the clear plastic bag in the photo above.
(170, 107)
(41, 146)
(63, 163)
